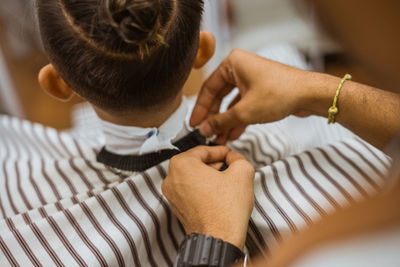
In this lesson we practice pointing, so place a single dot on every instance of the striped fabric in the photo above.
(59, 207)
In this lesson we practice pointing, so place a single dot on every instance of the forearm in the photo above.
(371, 113)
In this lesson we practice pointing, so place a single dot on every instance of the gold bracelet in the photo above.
(334, 110)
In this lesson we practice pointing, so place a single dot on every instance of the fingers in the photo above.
(217, 166)
(215, 88)
(235, 101)
(221, 139)
(236, 132)
(238, 164)
(224, 122)
(209, 154)
(233, 156)
(233, 134)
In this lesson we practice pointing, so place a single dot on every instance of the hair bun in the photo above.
(137, 22)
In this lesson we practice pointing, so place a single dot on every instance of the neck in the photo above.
(144, 119)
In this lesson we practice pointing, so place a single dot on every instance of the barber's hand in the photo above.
(269, 91)
(208, 201)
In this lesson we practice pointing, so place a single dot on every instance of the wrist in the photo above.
(231, 231)
(236, 238)
(317, 93)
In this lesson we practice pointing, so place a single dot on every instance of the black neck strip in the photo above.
(143, 162)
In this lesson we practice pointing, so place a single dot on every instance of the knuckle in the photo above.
(199, 148)
(232, 154)
(179, 163)
(202, 150)
(247, 167)
(174, 161)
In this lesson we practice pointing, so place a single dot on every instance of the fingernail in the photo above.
(205, 129)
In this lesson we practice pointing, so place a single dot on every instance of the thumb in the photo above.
(220, 123)
(238, 164)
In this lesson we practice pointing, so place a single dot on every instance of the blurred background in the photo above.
(252, 25)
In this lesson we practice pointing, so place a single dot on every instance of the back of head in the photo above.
(122, 55)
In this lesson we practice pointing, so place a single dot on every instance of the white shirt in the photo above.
(128, 140)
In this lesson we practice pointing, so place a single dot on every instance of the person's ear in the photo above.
(52, 83)
(206, 49)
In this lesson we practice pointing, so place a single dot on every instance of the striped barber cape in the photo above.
(60, 207)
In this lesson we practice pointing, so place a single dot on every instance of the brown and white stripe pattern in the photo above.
(296, 191)
(59, 207)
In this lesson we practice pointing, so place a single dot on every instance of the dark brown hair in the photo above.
(122, 55)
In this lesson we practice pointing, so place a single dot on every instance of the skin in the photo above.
(269, 91)
(226, 200)
(265, 96)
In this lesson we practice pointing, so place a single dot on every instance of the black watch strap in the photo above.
(204, 250)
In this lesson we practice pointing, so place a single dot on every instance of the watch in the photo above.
(204, 250)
